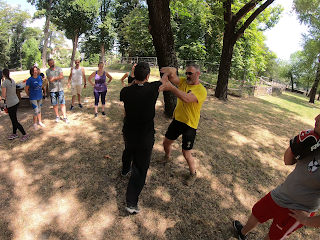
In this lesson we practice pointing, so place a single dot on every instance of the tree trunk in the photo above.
(46, 35)
(225, 62)
(103, 53)
(74, 49)
(291, 77)
(315, 86)
(163, 41)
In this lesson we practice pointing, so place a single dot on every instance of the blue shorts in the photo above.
(57, 98)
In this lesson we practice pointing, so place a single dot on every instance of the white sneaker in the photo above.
(57, 119)
(35, 126)
(41, 124)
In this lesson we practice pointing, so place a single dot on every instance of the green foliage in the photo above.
(134, 30)
(30, 53)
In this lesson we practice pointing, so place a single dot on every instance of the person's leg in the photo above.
(63, 110)
(140, 165)
(56, 110)
(103, 100)
(54, 102)
(127, 157)
(62, 103)
(73, 100)
(251, 224)
(96, 101)
(13, 117)
(190, 160)
(79, 98)
(167, 146)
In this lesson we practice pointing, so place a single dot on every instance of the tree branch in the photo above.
(245, 9)
(251, 18)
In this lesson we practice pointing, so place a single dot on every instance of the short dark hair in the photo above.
(50, 59)
(141, 71)
(32, 70)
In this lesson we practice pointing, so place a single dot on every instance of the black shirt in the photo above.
(139, 103)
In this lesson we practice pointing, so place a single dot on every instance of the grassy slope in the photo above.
(59, 185)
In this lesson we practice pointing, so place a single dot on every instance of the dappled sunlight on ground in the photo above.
(64, 181)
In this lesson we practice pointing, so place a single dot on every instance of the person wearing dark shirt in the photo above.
(139, 103)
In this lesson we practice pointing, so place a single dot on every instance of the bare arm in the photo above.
(288, 157)
(90, 77)
(167, 86)
(123, 78)
(109, 76)
(26, 89)
(84, 77)
(52, 79)
(70, 77)
(172, 74)
(304, 218)
(4, 92)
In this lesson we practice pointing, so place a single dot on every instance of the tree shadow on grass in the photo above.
(64, 182)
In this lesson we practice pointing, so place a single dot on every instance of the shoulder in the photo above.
(304, 135)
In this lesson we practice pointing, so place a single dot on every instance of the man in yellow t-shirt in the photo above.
(191, 95)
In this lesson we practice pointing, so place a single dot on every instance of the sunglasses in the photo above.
(189, 73)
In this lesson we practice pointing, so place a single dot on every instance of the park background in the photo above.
(63, 183)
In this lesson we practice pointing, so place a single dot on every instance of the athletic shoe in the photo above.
(13, 136)
(80, 105)
(133, 210)
(191, 179)
(41, 124)
(35, 126)
(96, 115)
(124, 174)
(238, 226)
(24, 137)
(66, 120)
(71, 108)
(164, 159)
(44, 97)
(103, 113)
(57, 119)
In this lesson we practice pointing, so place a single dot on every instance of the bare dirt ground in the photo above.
(64, 181)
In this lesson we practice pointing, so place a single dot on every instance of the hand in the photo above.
(85, 86)
(166, 84)
(299, 215)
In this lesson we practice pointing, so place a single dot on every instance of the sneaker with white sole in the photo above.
(57, 119)
(126, 173)
(35, 126)
(13, 136)
(66, 120)
(133, 210)
(238, 226)
(41, 124)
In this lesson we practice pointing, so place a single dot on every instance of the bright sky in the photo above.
(284, 39)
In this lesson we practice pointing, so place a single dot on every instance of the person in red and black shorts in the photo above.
(293, 203)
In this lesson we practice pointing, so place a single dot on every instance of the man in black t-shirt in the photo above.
(139, 103)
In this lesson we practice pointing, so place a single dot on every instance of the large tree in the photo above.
(163, 41)
(235, 26)
(44, 8)
(75, 18)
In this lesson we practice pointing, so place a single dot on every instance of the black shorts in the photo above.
(177, 128)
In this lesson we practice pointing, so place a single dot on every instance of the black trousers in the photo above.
(12, 111)
(139, 156)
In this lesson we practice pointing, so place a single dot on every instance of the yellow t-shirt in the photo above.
(189, 113)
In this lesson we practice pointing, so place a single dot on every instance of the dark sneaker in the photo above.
(96, 115)
(80, 105)
(191, 179)
(71, 108)
(125, 174)
(238, 226)
(133, 210)
(164, 159)
(13, 136)
(103, 113)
